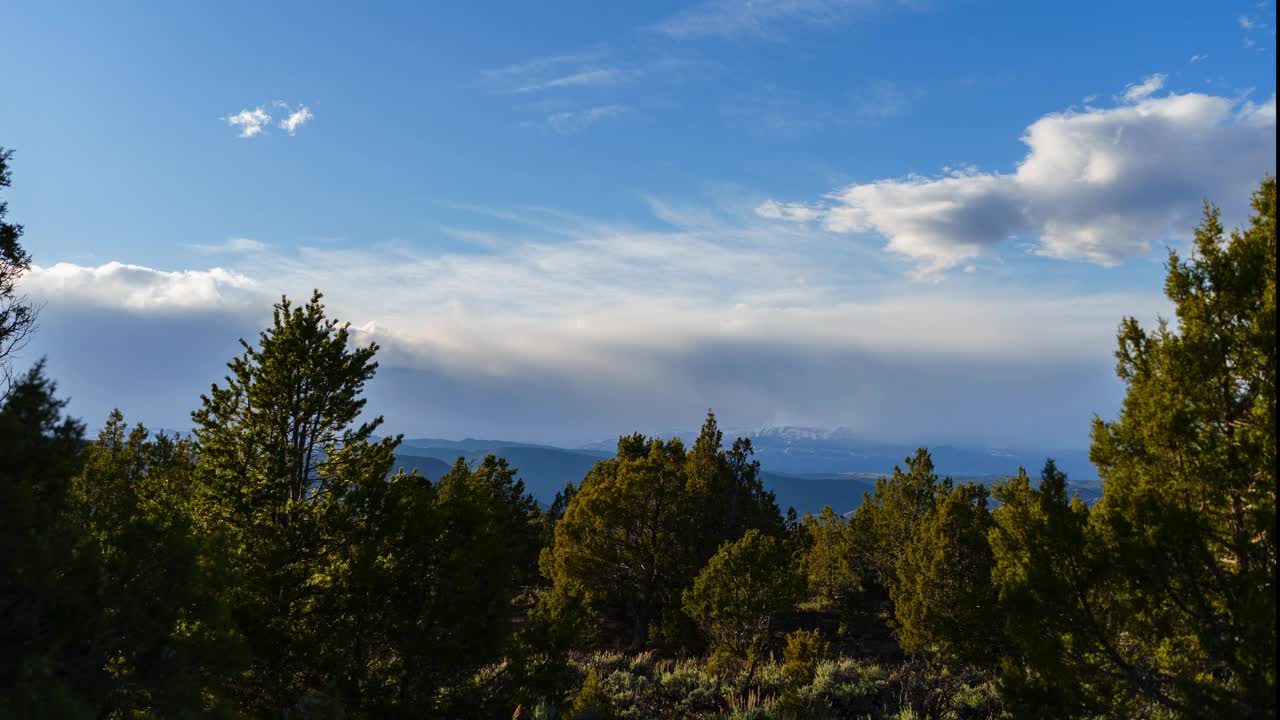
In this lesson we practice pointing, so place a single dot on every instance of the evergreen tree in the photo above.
(280, 456)
(1171, 605)
(642, 524)
(17, 316)
(49, 566)
(887, 519)
(944, 600)
(622, 538)
(738, 596)
(1042, 573)
(828, 561)
(168, 638)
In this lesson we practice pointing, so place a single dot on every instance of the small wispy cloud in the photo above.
(881, 100)
(254, 122)
(572, 121)
(232, 245)
(250, 122)
(1198, 58)
(1248, 23)
(585, 69)
(795, 212)
(730, 18)
(1149, 85)
(594, 76)
(295, 118)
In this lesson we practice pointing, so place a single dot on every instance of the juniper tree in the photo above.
(944, 600)
(1169, 602)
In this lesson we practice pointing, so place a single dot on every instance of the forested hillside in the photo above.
(277, 564)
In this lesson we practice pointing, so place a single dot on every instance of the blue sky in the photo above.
(565, 221)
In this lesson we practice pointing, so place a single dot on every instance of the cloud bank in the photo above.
(579, 329)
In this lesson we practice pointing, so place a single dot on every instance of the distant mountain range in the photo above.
(806, 468)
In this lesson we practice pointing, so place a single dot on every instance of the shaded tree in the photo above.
(281, 453)
(828, 560)
(17, 315)
(168, 638)
(1171, 605)
(49, 565)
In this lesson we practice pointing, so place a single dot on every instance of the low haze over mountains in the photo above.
(806, 467)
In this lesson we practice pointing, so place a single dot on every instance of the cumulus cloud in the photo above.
(295, 118)
(251, 122)
(1099, 185)
(255, 122)
(139, 288)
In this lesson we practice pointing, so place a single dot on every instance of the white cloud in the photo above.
(295, 118)
(594, 76)
(138, 288)
(232, 245)
(1198, 58)
(1247, 23)
(593, 328)
(558, 72)
(251, 122)
(1150, 85)
(775, 210)
(1099, 185)
(255, 122)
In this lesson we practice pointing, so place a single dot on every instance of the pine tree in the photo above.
(280, 455)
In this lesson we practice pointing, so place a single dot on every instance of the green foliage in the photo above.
(805, 649)
(944, 600)
(642, 524)
(49, 567)
(561, 621)
(280, 459)
(106, 600)
(170, 642)
(885, 522)
(591, 702)
(828, 560)
(1162, 599)
(738, 596)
